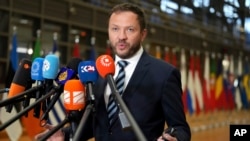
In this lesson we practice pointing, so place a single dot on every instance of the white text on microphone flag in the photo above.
(78, 97)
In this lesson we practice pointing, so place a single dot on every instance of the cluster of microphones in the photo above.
(44, 81)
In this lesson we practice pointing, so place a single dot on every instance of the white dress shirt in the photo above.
(129, 69)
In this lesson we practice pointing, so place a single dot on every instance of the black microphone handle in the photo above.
(48, 84)
(26, 103)
(27, 109)
(19, 96)
(74, 121)
(89, 91)
(87, 111)
(52, 102)
(82, 123)
(56, 128)
(38, 95)
(140, 136)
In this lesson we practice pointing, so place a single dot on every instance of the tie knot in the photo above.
(122, 63)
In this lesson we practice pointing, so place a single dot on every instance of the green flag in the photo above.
(37, 49)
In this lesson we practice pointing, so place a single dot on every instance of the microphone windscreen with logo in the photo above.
(50, 66)
(74, 95)
(105, 65)
(21, 79)
(37, 69)
(64, 75)
(68, 72)
(87, 72)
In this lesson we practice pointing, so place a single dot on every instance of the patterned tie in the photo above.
(112, 107)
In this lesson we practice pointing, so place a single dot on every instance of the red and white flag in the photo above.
(206, 83)
(197, 84)
(183, 70)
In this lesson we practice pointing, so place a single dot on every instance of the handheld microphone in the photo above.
(24, 76)
(65, 74)
(21, 80)
(49, 73)
(74, 95)
(36, 74)
(106, 68)
(68, 72)
(88, 76)
(50, 66)
(37, 69)
(74, 102)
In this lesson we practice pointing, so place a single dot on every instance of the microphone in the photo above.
(65, 74)
(74, 103)
(26, 110)
(36, 74)
(106, 68)
(49, 73)
(88, 76)
(68, 72)
(37, 69)
(21, 81)
(50, 67)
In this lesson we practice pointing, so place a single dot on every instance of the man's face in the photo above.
(125, 34)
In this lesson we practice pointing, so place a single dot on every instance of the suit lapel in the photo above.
(137, 76)
(101, 84)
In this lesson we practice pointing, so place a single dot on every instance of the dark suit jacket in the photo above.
(153, 96)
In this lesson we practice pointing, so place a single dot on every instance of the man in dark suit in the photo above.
(151, 89)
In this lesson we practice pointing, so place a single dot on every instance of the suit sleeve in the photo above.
(173, 106)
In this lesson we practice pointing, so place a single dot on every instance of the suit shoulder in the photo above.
(161, 63)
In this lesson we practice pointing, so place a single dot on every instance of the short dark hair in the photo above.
(132, 8)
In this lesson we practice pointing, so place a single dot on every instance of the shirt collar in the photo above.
(134, 59)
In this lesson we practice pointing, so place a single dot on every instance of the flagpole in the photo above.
(76, 51)
(92, 51)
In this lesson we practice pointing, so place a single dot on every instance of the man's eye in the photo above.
(130, 29)
(115, 29)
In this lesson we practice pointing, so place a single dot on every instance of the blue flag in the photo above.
(13, 62)
(13, 55)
